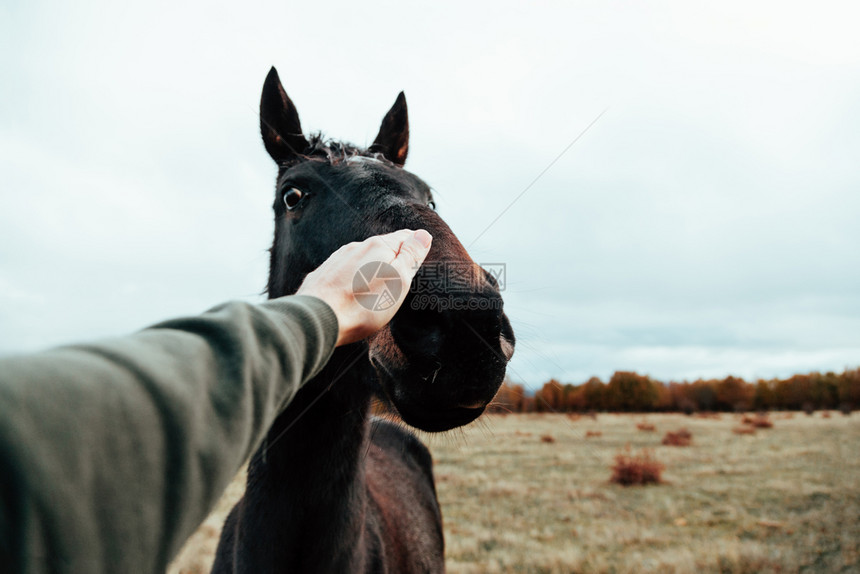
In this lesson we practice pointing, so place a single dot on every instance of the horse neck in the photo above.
(323, 426)
(306, 483)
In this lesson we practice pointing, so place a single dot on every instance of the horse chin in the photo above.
(439, 421)
(423, 412)
(434, 400)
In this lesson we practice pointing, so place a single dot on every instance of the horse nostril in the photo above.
(419, 336)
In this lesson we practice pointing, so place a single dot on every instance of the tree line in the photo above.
(628, 391)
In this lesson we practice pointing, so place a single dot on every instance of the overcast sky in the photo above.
(706, 224)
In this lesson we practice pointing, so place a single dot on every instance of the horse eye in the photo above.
(432, 205)
(292, 197)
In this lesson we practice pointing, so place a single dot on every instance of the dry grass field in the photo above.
(783, 499)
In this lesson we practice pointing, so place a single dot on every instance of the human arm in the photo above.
(112, 453)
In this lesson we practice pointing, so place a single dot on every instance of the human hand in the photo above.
(366, 282)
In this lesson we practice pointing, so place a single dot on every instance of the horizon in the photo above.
(531, 389)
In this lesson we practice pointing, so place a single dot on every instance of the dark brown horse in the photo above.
(331, 489)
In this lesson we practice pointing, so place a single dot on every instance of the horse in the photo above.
(333, 489)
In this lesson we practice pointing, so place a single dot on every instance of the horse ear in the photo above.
(279, 121)
(393, 138)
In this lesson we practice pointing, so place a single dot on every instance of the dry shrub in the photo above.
(591, 433)
(573, 416)
(747, 420)
(744, 430)
(522, 433)
(787, 416)
(547, 438)
(708, 415)
(681, 437)
(825, 415)
(592, 415)
(634, 469)
(845, 409)
(762, 422)
(646, 426)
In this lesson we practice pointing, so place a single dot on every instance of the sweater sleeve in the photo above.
(112, 453)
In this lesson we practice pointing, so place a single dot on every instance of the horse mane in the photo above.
(332, 151)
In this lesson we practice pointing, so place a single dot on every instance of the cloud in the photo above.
(706, 224)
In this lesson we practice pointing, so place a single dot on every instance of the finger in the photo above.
(388, 241)
(412, 253)
(383, 247)
(393, 241)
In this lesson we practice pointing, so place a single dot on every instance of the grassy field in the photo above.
(785, 499)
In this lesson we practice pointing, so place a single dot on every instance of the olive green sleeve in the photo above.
(112, 453)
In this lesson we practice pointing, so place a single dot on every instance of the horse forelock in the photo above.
(334, 152)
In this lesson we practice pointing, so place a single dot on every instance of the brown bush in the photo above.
(708, 415)
(573, 416)
(634, 469)
(591, 433)
(762, 422)
(825, 415)
(744, 430)
(681, 437)
(547, 438)
(646, 426)
(747, 420)
(845, 409)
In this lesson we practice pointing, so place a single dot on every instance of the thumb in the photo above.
(413, 251)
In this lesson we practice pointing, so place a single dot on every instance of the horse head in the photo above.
(442, 358)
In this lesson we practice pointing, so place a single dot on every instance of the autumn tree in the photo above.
(595, 394)
(849, 388)
(704, 395)
(509, 399)
(630, 391)
(550, 397)
(733, 393)
(825, 390)
(763, 396)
